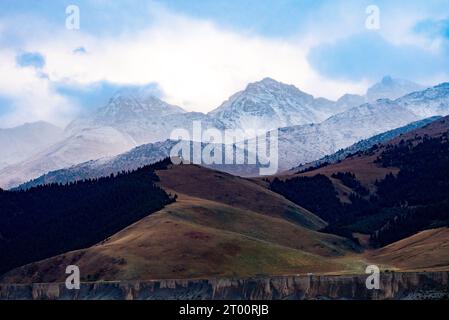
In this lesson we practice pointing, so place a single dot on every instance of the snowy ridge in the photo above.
(310, 127)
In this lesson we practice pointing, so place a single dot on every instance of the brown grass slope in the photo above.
(220, 226)
(196, 238)
(199, 182)
(427, 250)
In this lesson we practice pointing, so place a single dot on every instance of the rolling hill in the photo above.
(227, 227)
(427, 250)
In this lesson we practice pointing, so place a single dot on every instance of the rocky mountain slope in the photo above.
(365, 144)
(303, 144)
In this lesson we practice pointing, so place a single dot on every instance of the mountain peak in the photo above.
(391, 88)
(264, 83)
(272, 86)
(270, 104)
(140, 92)
(128, 103)
(268, 80)
(387, 81)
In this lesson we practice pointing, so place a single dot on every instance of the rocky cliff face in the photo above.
(433, 285)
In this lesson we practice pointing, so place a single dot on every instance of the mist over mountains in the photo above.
(23, 141)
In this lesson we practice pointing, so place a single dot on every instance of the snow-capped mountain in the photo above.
(366, 120)
(269, 104)
(130, 120)
(297, 144)
(142, 116)
(132, 112)
(128, 161)
(429, 102)
(131, 160)
(303, 144)
(391, 88)
(366, 144)
(19, 143)
(80, 147)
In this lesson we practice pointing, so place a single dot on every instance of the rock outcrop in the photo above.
(411, 285)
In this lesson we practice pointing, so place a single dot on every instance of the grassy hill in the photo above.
(237, 192)
(427, 250)
(207, 237)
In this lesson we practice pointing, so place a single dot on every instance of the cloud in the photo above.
(30, 96)
(370, 55)
(80, 50)
(433, 29)
(31, 59)
(196, 64)
(98, 94)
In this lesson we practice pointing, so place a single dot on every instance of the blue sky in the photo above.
(268, 17)
(197, 53)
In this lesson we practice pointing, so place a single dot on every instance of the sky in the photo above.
(196, 54)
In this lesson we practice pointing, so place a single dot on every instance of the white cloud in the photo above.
(31, 94)
(196, 64)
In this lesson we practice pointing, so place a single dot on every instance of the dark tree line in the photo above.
(49, 220)
(316, 194)
(411, 221)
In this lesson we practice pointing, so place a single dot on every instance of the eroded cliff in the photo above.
(411, 285)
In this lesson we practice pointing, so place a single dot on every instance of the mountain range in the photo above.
(307, 143)
(311, 127)
(365, 144)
